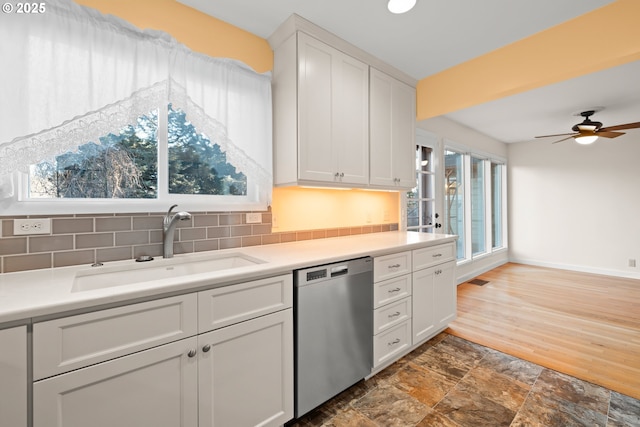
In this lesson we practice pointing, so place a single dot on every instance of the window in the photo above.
(496, 205)
(474, 203)
(477, 206)
(125, 165)
(133, 121)
(121, 165)
(454, 202)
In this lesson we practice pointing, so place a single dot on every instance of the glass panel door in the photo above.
(421, 215)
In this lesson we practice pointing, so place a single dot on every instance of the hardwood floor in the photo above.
(580, 324)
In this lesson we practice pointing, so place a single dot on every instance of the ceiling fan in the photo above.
(588, 131)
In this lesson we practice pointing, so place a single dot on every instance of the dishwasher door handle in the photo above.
(340, 270)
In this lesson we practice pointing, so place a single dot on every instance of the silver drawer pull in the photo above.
(436, 255)
(391, 291)
(192, 353)
(206, 348)
(393, 266)
(396, 314)
(438, 272)
(394, 342)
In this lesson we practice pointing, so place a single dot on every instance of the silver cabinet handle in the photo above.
(394, 342)
(396, 314)
(436, 255)
(342, 175)
(192, 353)
(206, 348)
(393, 266)
(394, 290)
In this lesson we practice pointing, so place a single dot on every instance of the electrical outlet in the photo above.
(254, 218)
(632, 262)
(31, 226)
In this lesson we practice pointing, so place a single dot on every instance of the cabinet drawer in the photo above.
(392, 342)
(389, 266)
(232, 304)
(423, 258)
(391, 290)
(391, 314)
(73, 342)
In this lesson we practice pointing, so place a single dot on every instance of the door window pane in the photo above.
(421, 199)
(454, 198)
(496, 205)
(478, 227)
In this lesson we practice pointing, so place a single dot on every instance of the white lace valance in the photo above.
(71, 75)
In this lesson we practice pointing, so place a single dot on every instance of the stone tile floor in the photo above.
(452, 382)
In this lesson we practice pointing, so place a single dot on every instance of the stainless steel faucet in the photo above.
(169, 227)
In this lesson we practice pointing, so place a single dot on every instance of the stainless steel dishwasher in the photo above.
(333, 330)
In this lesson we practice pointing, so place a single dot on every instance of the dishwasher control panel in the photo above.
(317, 274)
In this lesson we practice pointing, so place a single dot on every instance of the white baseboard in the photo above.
(580, 268)
(478, 271)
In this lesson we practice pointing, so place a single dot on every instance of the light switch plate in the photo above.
(22, 227)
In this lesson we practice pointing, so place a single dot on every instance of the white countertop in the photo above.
(37, 293)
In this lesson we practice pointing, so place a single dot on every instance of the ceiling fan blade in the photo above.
(609, 134)
(569, 137)
(621, 127)
(559, 134)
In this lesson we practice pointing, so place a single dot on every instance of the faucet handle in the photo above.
(170, 209)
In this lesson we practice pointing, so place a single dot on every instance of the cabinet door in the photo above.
(351, 119)
(13, 376)
(434, 300)
(156, 387)
(318, 157)
(445, 294)
(246, 373)
(392, 116)
(424, 321)
(333, 114)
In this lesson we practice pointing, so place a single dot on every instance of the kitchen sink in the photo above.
(107, 277)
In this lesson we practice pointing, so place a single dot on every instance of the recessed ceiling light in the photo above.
(400, 6)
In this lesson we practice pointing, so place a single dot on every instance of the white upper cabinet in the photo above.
(322, 115)
(333, 104)
(323, 133)
(392, 132)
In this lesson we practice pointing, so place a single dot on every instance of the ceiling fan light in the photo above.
(400, 6)
(586, 139)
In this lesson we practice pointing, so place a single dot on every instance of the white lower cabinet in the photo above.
(391, 307)
(155, 387)
(414, 299)
(234, 373)
(13, 376)
(434, 300)
(244, 375)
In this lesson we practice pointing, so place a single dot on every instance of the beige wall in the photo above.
(200, 32)
(595, 41)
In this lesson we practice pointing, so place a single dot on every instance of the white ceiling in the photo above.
(438, 34)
